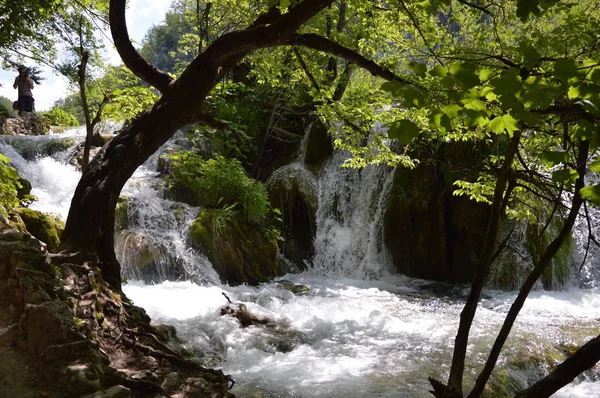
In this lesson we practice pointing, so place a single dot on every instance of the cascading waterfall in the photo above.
(349, 238)
(155, 237)
(354, 333)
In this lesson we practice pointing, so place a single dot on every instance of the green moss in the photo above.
(319, 147)
(42, 226)
(559, 271)
(239, 251)
(121, 213)
(56, 146)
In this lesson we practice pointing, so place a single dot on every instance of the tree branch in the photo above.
(583, 359)
(132, 59)
(534, 275)
(321, 43)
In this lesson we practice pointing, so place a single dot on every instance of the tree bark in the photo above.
(89, 129)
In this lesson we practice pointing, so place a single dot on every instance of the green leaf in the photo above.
(526, 8)
(595, 165)
(504, 123)
(554, 157)
(474, 104)
(485, 74)
(440, 121)
(565, 176)
(419, 68)
(393, 87)
(592, 193)
(464, 73)
(438, 71)
(285, 3)
(583, 130)
(451, 110)
(473, 118)
(403, 130)
(4, 159)
(565, 69)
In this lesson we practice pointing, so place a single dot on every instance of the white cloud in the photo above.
(140, 15)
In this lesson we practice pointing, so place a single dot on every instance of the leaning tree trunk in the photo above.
(90, 224)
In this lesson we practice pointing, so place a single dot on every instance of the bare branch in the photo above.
(132, 59)
(321, 43)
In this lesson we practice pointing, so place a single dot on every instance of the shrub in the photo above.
(218, 182)
(60, 117)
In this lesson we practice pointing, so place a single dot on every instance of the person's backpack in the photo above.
(16, 105)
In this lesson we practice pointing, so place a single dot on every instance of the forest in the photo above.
(401, 198)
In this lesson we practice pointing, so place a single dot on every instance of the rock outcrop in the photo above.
(64, 333)
(27, 124)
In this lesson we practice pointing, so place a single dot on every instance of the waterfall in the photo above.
(349, 237)
(53, 180)
(154, 247)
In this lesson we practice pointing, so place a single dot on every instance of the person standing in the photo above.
(24, 84)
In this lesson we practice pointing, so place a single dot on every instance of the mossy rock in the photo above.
(239, 252)
(430, 233)
(56, 146)
(121, 213)
(511, 269)
(42, 226)
(25, 191)
(293, 190)
(318, 147)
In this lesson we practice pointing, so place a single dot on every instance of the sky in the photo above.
(140, 15)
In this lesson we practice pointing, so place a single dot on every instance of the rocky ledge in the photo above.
(64, 333)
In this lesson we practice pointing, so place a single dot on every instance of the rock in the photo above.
(293, 190)
(318, 147)
(295, 288)
(45, 325)
(241, 253)
(431, 233)
(170, 383)
(117, 391)
(121, 213)
(145, 258)
(241, 313)
(27, 124)
(42, 226)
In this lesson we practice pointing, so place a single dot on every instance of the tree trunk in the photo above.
(535, 274)
(90, 224)
(481, 271)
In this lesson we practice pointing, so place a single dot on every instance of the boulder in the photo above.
(239, 251)
(27, 124)
(293, 190)
(431, 233)
(43, 226)
(318, 146)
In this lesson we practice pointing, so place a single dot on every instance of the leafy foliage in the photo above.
(60, 117)
(219, 183)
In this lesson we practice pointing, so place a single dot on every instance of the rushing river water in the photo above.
(357, 332)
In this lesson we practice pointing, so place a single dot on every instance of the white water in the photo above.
(346, 337)
(355, 338)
